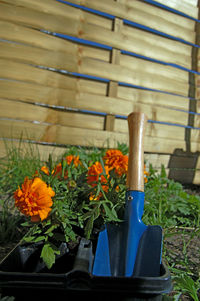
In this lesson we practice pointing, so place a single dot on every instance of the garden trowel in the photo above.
(131, 248)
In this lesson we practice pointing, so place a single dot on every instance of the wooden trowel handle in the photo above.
(136, 124)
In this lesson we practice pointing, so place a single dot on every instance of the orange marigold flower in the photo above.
(92, 197)
(117, 161)
(95, 174)
(73, 158)
(146, 174)
(57, 171)
(34, 199)
(45, 170)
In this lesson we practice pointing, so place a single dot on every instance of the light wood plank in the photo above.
(149, 97)
(155, 130)
(84, 30)
(59, 60)
(172, 48)
(82, 97)
(196, 180)
(77, 136)
(59, 9)
(25, 35)
(27, 112)
(140, 78)
(195, 137)
(162, 13)
(153, 68)
(157, 160)
(138, 14)
(17, 71)
(42, 114)
(40, 151)
(182, 6)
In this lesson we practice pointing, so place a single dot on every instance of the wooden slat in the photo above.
(21, 34)
(155, 130)
(122, 74)
(195, 146)
(59, 9)
(151, 67)
(40, 151)
(82, 96)
(161, 13)
(182, 6)
(197, 118)
(64, 97)
(59, 60)
(196, 180)
(191, 2)
(53, 58)
(31, 92)
(86, 31)
(28, 112)
(37, 113)
(79, 136)
(17, 71)
(157, 160)
(195, 137)
(48, 58)
(155, 98)
(122, 8)
(135, 14)
(172, 50)
(43, 151)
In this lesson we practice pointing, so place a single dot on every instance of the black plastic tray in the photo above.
(23, 275)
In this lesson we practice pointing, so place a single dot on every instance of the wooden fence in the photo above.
(71, 72)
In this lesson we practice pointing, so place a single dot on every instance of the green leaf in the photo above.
(39, 238)
(51, 228)
(25, 224)
(111, 213)
(89, 226)
(29, 239)
(94, 214)
(48, 255)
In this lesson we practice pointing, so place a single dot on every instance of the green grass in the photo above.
(18, 163)
(166, 204)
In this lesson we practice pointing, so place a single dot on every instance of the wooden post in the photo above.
(192, 94)
(113, 85)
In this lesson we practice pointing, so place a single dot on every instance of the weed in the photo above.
(168, 205)
(10, 229)
(20, 161)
